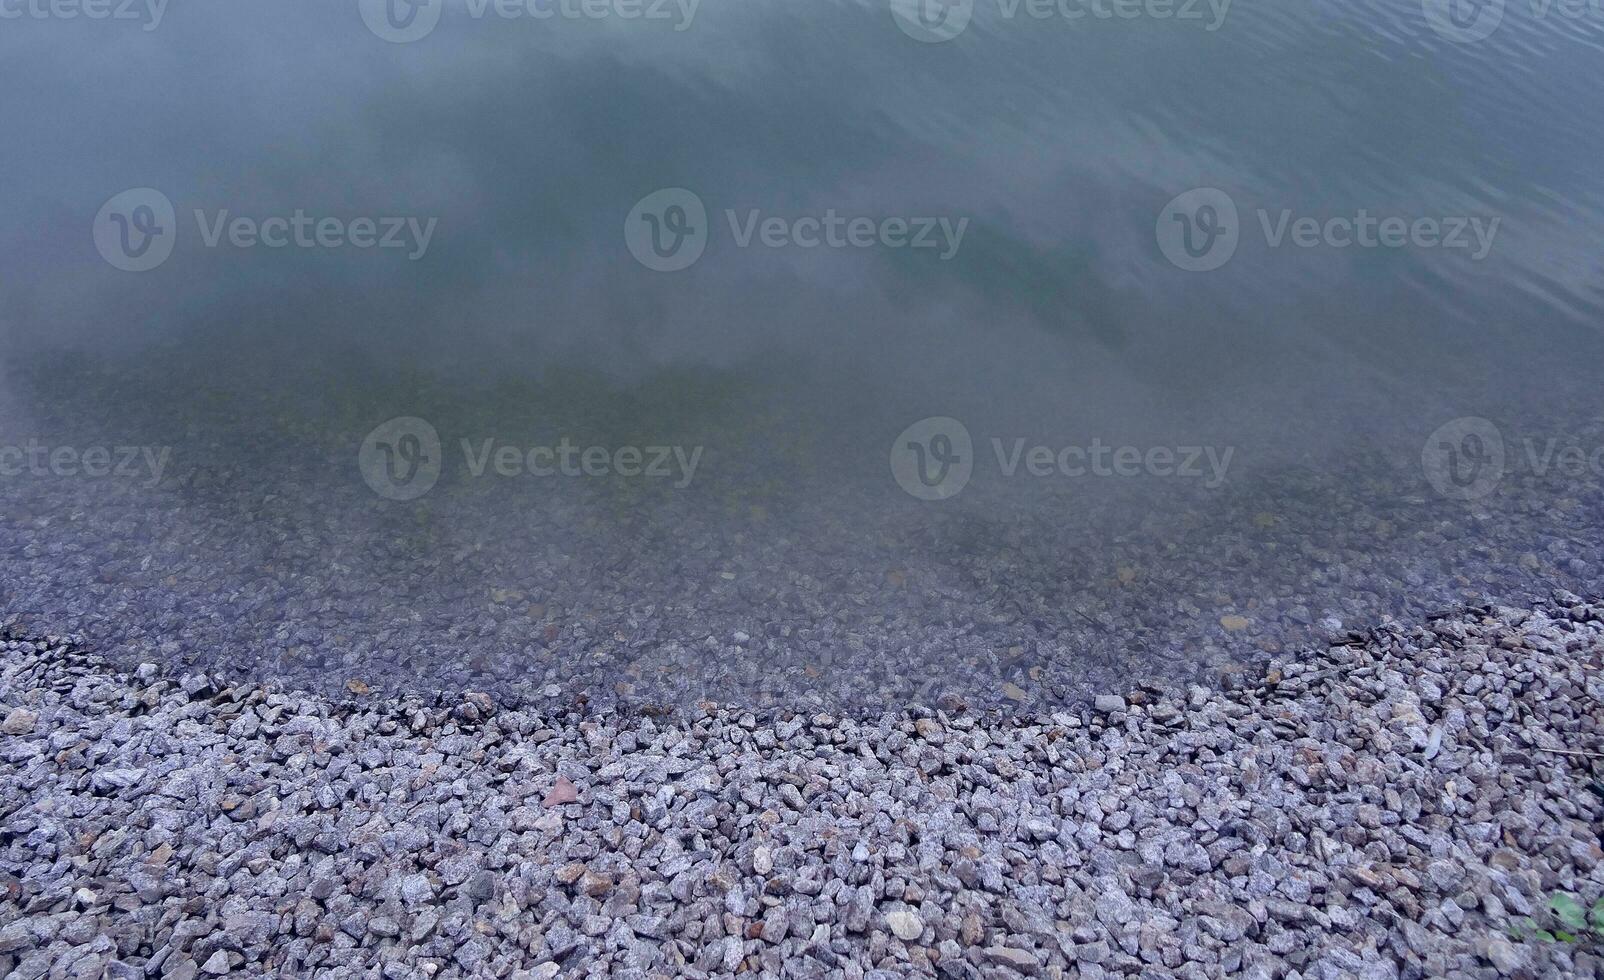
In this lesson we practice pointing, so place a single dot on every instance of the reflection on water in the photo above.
(1309, 233)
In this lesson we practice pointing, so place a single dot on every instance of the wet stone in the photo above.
(1192, 832)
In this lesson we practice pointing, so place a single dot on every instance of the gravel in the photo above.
(1387, 806)
(793, 574)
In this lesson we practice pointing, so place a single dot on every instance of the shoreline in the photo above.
(1389, 807)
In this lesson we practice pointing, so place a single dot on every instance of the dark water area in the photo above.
(842, 353)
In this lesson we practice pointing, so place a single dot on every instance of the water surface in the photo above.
(1410, 277)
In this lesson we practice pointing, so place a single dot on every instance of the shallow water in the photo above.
(1321, 280)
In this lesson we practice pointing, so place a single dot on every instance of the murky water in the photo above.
(858, 352)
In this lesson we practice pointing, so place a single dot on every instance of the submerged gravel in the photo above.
(1387, 806)
(793, 573)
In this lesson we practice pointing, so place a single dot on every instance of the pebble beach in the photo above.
(1403, 802)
